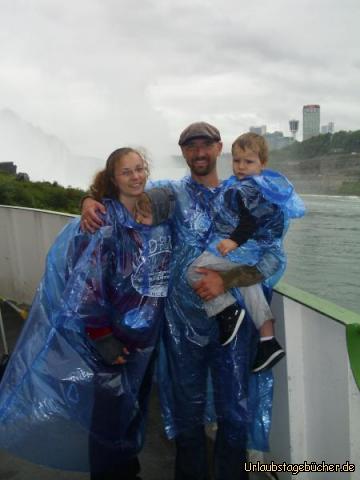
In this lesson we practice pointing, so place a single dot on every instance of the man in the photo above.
(192, 354)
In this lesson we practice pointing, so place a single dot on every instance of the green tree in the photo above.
(43, 195)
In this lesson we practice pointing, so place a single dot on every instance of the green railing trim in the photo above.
(337, 313)
(353, 346)
(348, 318)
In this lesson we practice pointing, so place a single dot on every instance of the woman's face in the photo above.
(130, 175)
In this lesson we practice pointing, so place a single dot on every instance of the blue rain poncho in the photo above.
(273, 202)
(197, 376)
(114, 280)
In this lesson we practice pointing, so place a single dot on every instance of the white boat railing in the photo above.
(316, 415)
(26, 236)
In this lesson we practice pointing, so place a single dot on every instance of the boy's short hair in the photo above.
(254, 142)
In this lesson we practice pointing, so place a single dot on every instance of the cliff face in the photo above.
(328, 174)
(333, 174)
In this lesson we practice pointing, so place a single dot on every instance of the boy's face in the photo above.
(246, 162)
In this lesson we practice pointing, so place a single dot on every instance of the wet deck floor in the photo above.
(157, 457)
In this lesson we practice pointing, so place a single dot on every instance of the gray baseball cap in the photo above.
(199, 130)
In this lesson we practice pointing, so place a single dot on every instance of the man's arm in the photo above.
(90, 214)
(215, 283)
(91, 208)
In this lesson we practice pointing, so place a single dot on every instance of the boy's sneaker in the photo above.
(268, 354)
(229, 321)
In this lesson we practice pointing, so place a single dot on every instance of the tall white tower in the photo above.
(311, 121)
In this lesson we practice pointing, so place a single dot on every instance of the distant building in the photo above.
(311, 121)
(294, 127)
(329, 128)
(8, 167)
(260, 130)
(277, 141)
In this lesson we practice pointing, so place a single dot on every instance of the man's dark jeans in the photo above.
(191, 457)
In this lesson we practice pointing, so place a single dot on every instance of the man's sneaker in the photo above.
(229, 321)
(268, 354)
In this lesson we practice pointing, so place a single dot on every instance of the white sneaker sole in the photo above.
(237, 326)
(269, 361)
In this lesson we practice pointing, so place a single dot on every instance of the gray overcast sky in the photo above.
(104, 73)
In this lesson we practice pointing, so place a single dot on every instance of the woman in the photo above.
(75, 393)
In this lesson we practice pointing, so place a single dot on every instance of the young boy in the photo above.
(258, 203)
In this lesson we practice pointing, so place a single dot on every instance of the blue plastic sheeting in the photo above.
(199, 380)
(273, 202)
(116, 278)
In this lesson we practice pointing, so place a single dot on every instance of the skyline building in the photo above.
(311, 121)
(260, 130)
(310, 128)
(329, 128)
(277, 141)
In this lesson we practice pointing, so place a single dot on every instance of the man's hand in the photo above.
(210, 286)
(226, 246)
(90, 220)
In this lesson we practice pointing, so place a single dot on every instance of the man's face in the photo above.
(201, 154)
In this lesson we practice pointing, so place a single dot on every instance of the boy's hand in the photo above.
(90, 220)
(226, 246)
